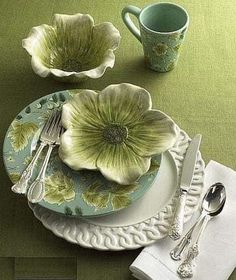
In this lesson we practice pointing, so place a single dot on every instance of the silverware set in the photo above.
(50, 136)
(212, 205)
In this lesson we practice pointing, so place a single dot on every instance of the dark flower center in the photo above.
(71, 65)
(115, 133)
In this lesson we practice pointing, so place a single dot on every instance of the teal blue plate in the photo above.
(75, 193)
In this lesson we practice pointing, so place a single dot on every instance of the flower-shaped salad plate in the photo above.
(75, 193)
(115, 131)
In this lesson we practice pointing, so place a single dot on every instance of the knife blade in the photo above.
(189, 163)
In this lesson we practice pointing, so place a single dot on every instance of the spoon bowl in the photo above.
(212, 204)
(214, 199)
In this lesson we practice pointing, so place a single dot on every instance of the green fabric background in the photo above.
(199, 95)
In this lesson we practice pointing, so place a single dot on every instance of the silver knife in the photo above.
(190, 159)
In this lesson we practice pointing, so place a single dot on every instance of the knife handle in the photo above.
(176, 229)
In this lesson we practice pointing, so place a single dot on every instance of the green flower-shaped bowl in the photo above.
(115, 131)
(73, 48)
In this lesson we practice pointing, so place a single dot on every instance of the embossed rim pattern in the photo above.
(133, 236)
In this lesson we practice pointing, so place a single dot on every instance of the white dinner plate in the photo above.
(145, 221)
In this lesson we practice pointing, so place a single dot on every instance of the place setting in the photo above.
(106, 169)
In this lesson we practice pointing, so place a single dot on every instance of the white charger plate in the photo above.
(145, 221)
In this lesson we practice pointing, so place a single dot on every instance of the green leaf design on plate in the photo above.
(28, 110)
(62, 97)
(88, 176)
(50, 106)
(15, 177)
(68, 211)
(117, 195)
(120, 201)
(19, 117)
(27, 160)
(20, 133)
(44, 116)
(78, 211)
(123, 190)
(93, 197)
(41, 103)
(55, 98)
(59, 188)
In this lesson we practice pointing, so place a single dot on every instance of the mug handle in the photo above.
(128, 22)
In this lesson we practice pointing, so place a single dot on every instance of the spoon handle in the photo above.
(176, 229)
(37, 188)
(185, 270)
(176, 253)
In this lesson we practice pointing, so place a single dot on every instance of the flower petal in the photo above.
(105, 39)
(39, 41)
(98, 55)
(120, 164)
(74, 31)
(153, 134)
(82, 110)
(80, 147)
(123, 103)
(39, 45)
(39, 67)
(106, 36)
(108, 61)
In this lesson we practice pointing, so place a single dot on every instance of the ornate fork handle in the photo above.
(179, 248)
(37, 189)
(22, 185)
(185, 270)
(176, 253)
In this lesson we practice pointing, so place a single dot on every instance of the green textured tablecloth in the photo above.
(199, 95)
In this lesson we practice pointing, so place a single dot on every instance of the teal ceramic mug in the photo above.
(162, 28)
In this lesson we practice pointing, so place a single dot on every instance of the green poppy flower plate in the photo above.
(83, 193)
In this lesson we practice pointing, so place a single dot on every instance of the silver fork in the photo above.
(36, 190)
(22, 185)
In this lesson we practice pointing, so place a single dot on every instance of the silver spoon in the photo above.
(213, 203)
(177, 252)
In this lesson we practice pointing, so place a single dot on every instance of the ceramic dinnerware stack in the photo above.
(115, 177)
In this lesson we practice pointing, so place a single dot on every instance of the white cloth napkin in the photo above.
(217, 258)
